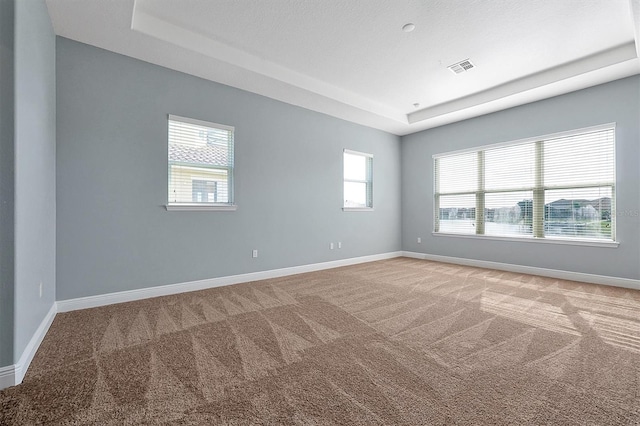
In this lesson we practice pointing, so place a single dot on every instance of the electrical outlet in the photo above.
(40, 288)
(419, 240)
(254, 253)
(330, 246)
(339, 245)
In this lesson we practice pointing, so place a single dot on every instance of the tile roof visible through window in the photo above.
(215, 155)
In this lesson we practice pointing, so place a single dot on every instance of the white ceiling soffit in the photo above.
(351, 59)
(635, 14)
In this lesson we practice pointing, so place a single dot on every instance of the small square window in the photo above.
(200, 164)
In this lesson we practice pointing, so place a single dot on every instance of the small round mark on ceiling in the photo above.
(407, 28)
(416, 105)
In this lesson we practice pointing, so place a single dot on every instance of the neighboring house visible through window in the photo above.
(205, 191)
(200, 164)
(358, 180)
(559, 187)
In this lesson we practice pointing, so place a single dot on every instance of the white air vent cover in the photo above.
(461, 66)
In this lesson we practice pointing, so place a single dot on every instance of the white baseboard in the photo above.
(531, 270)
(7, 376)
(32, 347)
(12, 375)
(165, 290)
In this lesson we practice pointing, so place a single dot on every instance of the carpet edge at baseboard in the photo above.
(12, 375)
(169, 289)
(531, 270)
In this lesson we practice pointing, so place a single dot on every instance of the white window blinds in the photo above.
(562, 186)
(200, 162)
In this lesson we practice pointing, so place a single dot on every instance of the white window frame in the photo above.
(538, 193)
(368, 181)
(204, 206)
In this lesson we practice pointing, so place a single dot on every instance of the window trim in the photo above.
(527, 239)
(538, 190)
(358, 209)
(368, 182)
(193, 206)
(200, 207)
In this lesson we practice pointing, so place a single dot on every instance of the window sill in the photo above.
(200, 207)
(561, 241)
(357, 209)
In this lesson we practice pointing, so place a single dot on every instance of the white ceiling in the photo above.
(351, 59)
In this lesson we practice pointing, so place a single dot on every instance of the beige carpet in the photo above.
(395, 342)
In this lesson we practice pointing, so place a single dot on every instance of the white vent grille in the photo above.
(461, 66)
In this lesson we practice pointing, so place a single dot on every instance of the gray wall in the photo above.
(618, 101)
(6, 182)
(35, 202)
(114, 234)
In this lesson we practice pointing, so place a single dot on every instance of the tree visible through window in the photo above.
(561, 186)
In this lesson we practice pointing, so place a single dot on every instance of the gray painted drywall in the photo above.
(6, 182)
(113, 232)
(35, 202)
(618, 102)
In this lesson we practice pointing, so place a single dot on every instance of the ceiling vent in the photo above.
(461, 66)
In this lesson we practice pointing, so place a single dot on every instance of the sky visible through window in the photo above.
(355, 180)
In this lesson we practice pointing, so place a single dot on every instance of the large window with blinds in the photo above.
(556, 187)
(200, 163)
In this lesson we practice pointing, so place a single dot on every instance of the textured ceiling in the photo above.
(350, 58)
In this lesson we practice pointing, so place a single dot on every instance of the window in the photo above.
(358, 180)
(559, 187)
(200, 165)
